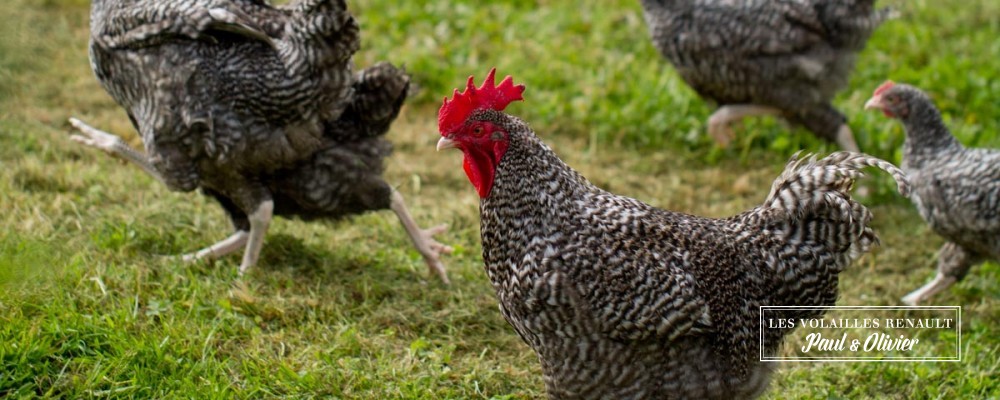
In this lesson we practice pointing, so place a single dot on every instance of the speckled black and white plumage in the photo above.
(621, 300)
(956, 189)
(221, 91)
(344, 177)
(257, 106)
(793, 55)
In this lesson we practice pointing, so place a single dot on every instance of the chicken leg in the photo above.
(260, 218)
(953, 263)
(115, 146)
(423, 239)
(223, 248)
(940, 282)
(719, 121)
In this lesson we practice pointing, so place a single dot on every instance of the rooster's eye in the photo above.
(478, 131)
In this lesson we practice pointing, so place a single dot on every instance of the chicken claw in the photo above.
(96, 138)
(112, 145)
(432, 250)
(436, 250)
(429, 234)
(423, 239)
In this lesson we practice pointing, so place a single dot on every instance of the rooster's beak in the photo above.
(446, 143)
(874, 102)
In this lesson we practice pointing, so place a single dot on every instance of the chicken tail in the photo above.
(814, 230)
(318, 43)
(810, 229)
(379, 93)
(327, 32)
(810, 208)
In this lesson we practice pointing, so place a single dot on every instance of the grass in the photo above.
(89, 307)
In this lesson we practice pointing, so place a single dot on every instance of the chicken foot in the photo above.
(260, 220)
(112, 144)
(115, 146)
(224, 247)
(954, 263)
(719, 121)
(423, 239)
(940, 282)
(251, 241)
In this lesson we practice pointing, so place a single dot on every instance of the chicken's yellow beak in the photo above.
(446, 143)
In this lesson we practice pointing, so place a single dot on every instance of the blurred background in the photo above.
(90, 307)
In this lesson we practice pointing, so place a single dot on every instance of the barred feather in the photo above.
(251, 102)
(820, 189)
(794, 55)
(623, 300)
(956, 189)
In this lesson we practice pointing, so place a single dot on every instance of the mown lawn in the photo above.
(91, 307)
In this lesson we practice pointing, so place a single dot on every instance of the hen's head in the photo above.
(472, 121)
(898, 101)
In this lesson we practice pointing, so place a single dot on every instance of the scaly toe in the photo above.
(436, 230)
(436, 268)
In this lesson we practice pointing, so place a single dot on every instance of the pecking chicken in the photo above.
(623, 300)
(956, 189)
(766, 57)
(258, 106)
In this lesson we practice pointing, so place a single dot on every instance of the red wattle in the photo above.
(480, 172)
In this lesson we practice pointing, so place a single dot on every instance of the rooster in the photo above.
(766, 57)
(623, 300)
(956, 189)
(258, 106)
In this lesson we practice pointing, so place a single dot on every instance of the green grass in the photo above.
(89, 307)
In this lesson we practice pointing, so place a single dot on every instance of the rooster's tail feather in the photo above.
(810, 209)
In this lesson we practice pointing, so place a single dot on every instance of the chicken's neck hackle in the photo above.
(926, 132)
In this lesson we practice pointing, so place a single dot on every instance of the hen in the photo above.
(766, 57)
(623, 300)
(256, 105)
(956, 189)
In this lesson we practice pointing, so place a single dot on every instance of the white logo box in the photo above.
(954, 314)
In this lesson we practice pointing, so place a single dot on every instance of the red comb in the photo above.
(883, 87)
(454, 112)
